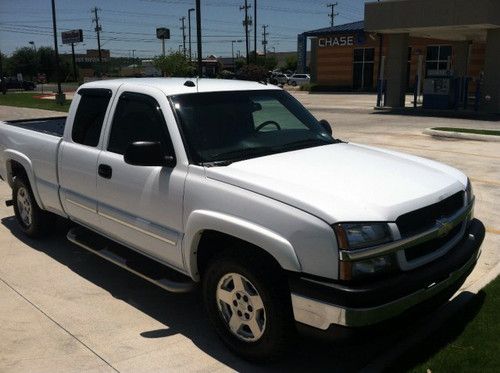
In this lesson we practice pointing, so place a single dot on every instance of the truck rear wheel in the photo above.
(33, 220)
(249, 307)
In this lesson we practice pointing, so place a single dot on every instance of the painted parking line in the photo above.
(483, 181)
(493, 231)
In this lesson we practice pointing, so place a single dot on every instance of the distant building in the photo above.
(400, 40)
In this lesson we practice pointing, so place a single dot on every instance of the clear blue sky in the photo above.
(131, 24)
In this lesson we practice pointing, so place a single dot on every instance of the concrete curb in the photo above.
(461, 135)
(432, 325)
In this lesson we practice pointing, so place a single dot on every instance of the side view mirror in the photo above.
(326, 126)
(148, 153)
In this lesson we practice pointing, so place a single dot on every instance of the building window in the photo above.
(438, 59)
(363, 63)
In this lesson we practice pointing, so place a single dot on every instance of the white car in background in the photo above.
(299, 79)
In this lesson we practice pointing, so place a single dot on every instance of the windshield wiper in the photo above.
(306, 143)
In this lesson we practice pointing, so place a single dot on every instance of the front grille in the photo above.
(425, 218)
(426, 248)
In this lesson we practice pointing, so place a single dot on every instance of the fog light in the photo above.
(367, 268)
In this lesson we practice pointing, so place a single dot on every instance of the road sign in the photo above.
(163, 33)
(72, 36)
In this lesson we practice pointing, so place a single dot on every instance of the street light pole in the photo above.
(189, 26)
(34, 46)
(232, 51)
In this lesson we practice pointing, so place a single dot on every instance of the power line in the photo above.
(183, 28)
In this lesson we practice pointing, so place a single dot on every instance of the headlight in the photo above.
(469, 193)
(353, 236)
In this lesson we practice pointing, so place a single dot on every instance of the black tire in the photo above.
(34, 221)
(294, 84)
(279, 330)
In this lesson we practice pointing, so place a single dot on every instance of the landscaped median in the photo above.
(467, 342)
(33, 100)
(464, 133)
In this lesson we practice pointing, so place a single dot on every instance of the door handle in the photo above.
(105, 171)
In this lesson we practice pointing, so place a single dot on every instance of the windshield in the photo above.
(232, 126)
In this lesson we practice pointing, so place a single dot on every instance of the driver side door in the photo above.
(141, 206)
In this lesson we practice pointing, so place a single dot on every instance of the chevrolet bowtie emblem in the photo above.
(445, 227)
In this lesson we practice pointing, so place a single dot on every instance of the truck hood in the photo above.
(345, 182)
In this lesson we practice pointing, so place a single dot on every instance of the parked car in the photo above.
(14, 83)
(279, 78)
(299, 79)
(234, 186)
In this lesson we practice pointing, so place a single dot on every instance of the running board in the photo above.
(140, 265)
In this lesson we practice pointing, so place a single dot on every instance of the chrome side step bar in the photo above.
(140, 265)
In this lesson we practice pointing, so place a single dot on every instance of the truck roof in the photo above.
(175, 86)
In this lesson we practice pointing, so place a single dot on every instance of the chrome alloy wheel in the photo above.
(24, 206)
(241, 307)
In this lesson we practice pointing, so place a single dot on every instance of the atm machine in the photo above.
(439, 90)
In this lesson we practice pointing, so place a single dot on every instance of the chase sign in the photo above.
(336, 41)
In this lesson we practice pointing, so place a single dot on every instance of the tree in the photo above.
(253, 72)
(269, 62)
(291, 63)
(46, 62)
(174, 65)
(23, 60)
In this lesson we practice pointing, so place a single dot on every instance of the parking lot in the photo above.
(63, 309)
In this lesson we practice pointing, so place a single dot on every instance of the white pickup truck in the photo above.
(237, 187)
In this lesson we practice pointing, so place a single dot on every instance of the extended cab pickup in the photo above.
(237, 187)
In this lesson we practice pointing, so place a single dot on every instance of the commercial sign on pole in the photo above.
(301, 53)
(163, 33)
(72, 36)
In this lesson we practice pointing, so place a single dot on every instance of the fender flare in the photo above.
(23, 160)
(203, 220)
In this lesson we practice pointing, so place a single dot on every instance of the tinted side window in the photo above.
(90, 116)
(137, 117)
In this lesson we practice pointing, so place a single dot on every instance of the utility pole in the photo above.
(264, 39)
(98, 30)
(60, 96)
(255, 28)
(332, 15)
(198, 37)
(246, 23)
(189, 26)
(183, 28)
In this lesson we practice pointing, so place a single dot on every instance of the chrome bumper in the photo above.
(321, 315)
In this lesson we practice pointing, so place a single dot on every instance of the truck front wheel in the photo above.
(249, 306)
(32, 219)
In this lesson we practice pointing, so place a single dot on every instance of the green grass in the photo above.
(469, 130)
(468, 342)
(30, 101)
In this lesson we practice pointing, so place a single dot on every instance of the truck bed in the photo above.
(51, 126)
